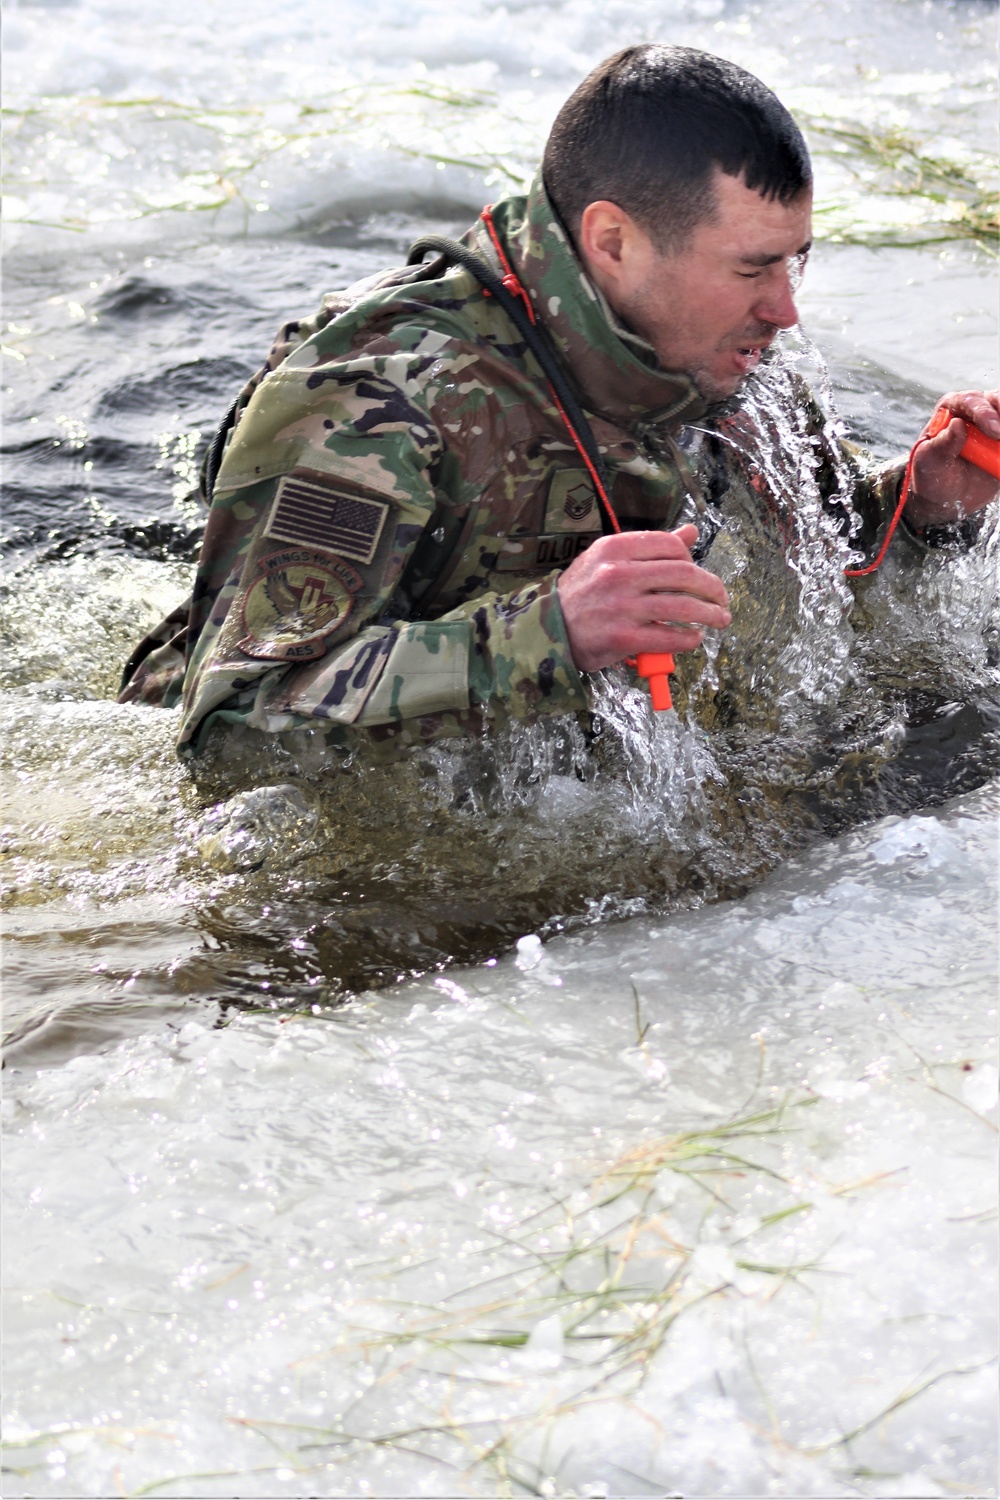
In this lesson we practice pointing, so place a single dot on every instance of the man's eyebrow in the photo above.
(772, 260)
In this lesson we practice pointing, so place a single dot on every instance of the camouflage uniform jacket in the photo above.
(399, 495)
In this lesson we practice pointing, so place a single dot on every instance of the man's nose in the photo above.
(777, 302)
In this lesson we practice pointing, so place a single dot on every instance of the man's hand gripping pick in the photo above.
(947, 488)
(639, 591)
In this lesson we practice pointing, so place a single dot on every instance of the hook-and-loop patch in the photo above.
(317, 509)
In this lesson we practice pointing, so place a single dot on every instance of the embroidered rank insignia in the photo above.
(299, 596)
(571, 502)
(310, 507)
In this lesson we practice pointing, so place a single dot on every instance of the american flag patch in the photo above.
(314, 511)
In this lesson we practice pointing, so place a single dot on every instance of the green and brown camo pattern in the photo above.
(399, 495)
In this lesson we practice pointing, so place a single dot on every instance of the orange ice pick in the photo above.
(656, 667)
(978, 449)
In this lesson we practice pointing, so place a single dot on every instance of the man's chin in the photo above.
(716, 389)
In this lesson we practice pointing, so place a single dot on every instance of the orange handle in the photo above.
(655, 666)
(937, 423)
(982, 451)
(978, 449)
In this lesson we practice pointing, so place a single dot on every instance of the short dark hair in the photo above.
(648, 127)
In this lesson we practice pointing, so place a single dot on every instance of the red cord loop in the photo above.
(937, 423)
(515, 288)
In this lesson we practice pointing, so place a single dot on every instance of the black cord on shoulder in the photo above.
(535, 338)
(213, 462)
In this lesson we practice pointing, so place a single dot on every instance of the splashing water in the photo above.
(779, 448)
(937, 628)
(783, 665)
(663, 763)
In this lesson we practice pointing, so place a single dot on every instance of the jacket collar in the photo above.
(616, 373)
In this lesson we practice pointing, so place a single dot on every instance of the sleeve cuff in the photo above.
(521, 662)
(958, 535)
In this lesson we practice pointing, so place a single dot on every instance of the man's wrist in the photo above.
(934, 534)
(921, 514)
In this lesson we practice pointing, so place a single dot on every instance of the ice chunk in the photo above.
(529, 951)
(979, 1088)
(712, 1266)
(840, 1089)
(915, 838)
(546, 1344)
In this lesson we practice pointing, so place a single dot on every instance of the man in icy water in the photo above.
(407, 538)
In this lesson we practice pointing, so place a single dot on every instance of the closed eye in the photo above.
(796, 269)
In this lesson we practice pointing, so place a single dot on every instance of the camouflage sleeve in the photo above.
(520, 661)
(500, 656)
(327, 485)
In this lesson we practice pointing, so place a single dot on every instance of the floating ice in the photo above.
(840, 1088)
(530, 951)
(914, 838)
(979, 1088)
(468, 1218)
(546, 1344)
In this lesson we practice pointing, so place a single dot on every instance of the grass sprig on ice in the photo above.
(943, 198)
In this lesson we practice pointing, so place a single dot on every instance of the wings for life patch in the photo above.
(299, 597)
(314, 508)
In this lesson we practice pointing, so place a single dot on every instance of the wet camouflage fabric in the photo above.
(399, 495)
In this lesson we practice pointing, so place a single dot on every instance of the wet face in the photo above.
(714, 306)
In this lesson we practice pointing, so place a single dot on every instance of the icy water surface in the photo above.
(699, 1206)
(326, 1175)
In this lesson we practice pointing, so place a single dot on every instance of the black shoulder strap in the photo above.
(213, 459)
(535, 337)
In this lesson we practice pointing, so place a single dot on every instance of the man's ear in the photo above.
(613, 248)
(601, 231)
